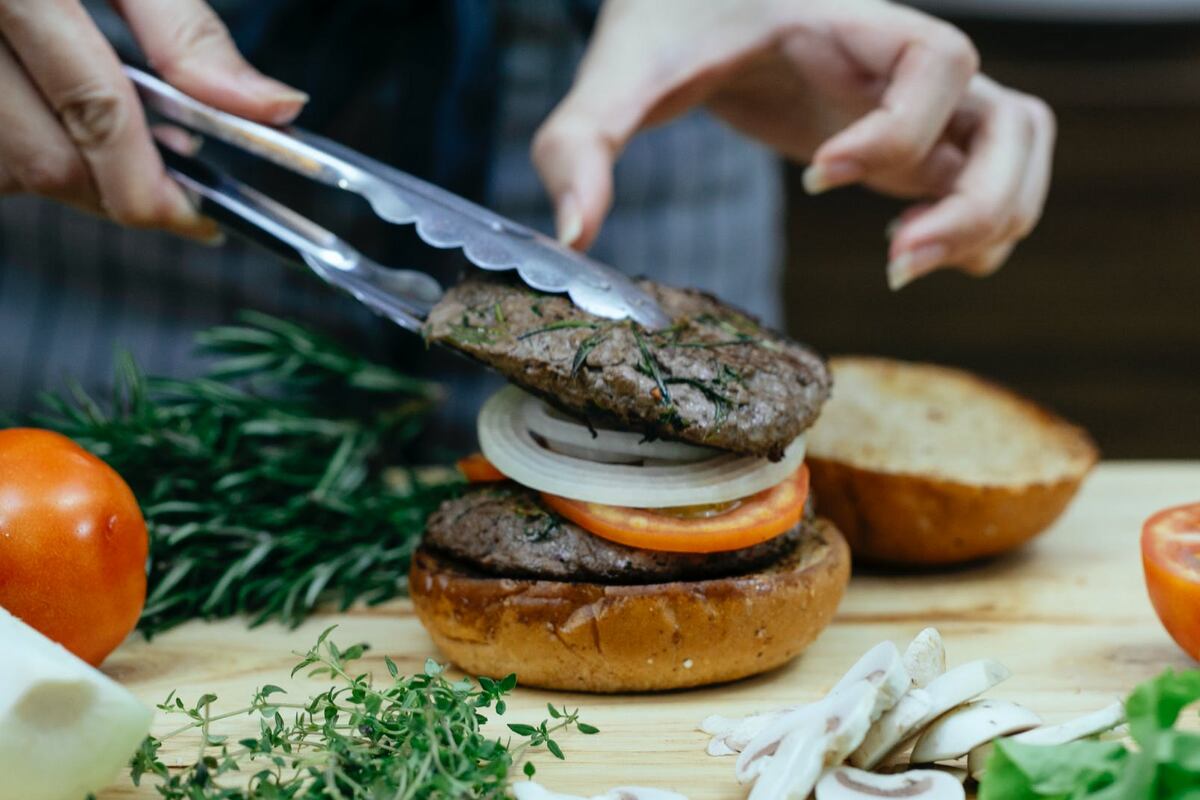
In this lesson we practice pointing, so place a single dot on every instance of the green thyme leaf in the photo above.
(416, 737)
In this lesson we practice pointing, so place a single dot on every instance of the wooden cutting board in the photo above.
(1068, 614)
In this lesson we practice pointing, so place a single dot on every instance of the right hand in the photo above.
(71, 126)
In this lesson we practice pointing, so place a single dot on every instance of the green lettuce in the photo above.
(1163, 764)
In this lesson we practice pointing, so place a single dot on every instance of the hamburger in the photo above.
(639, 517)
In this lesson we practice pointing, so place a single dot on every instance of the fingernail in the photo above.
(288, 109)
(568, 219)
(214, 239)
(912, 264)
(178, 139)
(823, 177)
(288, 101)
(889, 230)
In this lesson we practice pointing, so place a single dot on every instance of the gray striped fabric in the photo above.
(695, 204)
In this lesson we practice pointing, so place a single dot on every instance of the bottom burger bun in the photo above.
(595, 637)
(923, 465)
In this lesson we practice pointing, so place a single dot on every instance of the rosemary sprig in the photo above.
(584, 350)
(262, 484)
(649, 367)
(559, 325)
(418, 737)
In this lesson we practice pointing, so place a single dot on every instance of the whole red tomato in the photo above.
(72, 543)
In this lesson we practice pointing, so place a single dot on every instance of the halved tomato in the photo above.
(747, 522)
(477, 469)
(1171, 559)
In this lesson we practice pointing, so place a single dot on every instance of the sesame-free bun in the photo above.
(595, 637)
(920, 464)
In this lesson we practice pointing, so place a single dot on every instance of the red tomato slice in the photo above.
(1171, 559)
(477, 469)
(752, 520)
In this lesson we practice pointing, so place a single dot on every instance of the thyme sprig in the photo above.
(262, 483)
(417, 737)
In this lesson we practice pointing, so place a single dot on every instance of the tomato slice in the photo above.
(755, 519)
(477, 469)
(1171, 559)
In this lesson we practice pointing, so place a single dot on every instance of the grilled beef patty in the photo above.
(715, 377)
(504, 530)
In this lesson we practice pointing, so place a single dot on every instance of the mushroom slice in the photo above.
(921, 706)
(766, 744)
(893, 728)
(639, 793)
(883, 667)
(925, 657)
(1091, 724)
(880, 668)
(730, 735)
(528, 790)
(959, 774)
(962, 729)
(716, 725)
(826, 738)
(848, 783)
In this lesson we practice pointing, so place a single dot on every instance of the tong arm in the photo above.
(404, 296)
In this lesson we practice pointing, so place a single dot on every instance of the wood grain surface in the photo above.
(1068, 614)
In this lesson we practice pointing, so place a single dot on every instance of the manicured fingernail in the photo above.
(287, 101)
(288, 109)
(178, 139)
(214, 239)
(568, 219)
(912, 264)
(889, 230)
(823, 177)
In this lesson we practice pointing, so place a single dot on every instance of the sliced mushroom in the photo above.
(925, 657)
(921, 706)
(730, 735)
(880, 667)
(893, 728)
(958, 773)
(716, 725)
(847, 783)
(1091, 724)
(717, 746)
(764, 746)
(528, 790)
(638, 793)
(960, 730)
(825, 739)
(883, 667)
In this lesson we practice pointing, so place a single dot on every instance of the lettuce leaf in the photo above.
(1164, 764)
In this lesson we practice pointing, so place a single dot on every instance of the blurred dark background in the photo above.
(1097, 314)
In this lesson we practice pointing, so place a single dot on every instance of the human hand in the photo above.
(71, 126)
(865, 91)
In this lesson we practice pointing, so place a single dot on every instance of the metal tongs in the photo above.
(442, 219)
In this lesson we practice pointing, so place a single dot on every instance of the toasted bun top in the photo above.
(941, 423)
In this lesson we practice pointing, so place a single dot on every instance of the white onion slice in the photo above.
(507, 442)
(559, 429)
